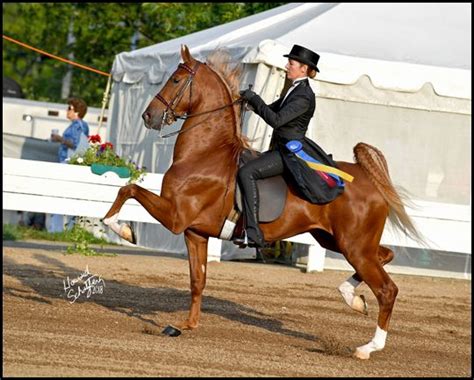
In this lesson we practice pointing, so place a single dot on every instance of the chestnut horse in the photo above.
(197, 192)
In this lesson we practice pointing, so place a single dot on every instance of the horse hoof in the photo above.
(361, 354)
(127, 233)
(186, 325)
(171, 331)
(359, 304)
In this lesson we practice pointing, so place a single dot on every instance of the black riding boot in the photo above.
(267, 165)
(254, 234)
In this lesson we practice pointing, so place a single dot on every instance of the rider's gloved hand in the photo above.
(247, 94)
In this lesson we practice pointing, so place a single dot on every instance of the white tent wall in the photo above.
(427, 149)
(268, 82)
(418, 115)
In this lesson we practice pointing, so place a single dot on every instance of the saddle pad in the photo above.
(272, 192)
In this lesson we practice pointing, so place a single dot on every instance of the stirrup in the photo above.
(253, 243)
(241, 242)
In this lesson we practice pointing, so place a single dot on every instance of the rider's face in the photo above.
(295, 69)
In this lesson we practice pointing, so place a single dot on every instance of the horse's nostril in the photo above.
(146, 117)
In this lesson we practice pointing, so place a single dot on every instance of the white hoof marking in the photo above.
(361, 354)
(112, 222)
(376, 344)
(360, 304)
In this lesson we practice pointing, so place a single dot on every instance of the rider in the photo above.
(289, 117)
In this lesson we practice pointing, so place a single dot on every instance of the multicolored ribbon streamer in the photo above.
(297, 148)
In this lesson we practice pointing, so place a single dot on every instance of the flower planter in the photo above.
(121, 171)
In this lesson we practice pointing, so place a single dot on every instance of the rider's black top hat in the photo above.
(303, 55)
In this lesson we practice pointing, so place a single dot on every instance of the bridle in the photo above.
(170, 116)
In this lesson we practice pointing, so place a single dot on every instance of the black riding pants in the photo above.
(269, 164)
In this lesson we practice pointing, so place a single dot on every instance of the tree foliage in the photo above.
(92, 34)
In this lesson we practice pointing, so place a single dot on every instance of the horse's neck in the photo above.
(205, 137)
(213, 134)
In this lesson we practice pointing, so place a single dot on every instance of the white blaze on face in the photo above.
(203, 268)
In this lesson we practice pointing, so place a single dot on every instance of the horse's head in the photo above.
(174, 99)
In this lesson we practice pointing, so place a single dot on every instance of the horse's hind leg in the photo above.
(157, 206)
(355, 302)
(348, 287)
(371, 271)
(385, 255)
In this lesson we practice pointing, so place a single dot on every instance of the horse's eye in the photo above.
(175, 80)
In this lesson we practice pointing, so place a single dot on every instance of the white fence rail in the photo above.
(55, 188)
(38, 186)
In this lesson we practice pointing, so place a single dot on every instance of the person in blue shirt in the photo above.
(77, 109)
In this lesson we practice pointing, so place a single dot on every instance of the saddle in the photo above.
(272, 194)
(273, 190)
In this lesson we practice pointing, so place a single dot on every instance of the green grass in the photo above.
(16, 232)
(78, 236)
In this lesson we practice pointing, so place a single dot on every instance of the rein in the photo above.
(177, 99)
(184, 117)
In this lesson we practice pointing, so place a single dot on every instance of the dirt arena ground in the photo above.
(258, 320)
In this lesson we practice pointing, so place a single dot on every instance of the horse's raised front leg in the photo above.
(197, 257)
(158, 207)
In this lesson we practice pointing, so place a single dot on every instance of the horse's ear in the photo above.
(185, 54)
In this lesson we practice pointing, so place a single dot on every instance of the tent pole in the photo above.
(104, 102)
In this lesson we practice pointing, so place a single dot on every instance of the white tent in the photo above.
(377, 40)
(395, 75)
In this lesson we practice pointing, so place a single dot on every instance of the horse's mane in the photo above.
(220, 61)
(230, 71)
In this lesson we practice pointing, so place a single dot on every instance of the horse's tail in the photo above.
(374, 164)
